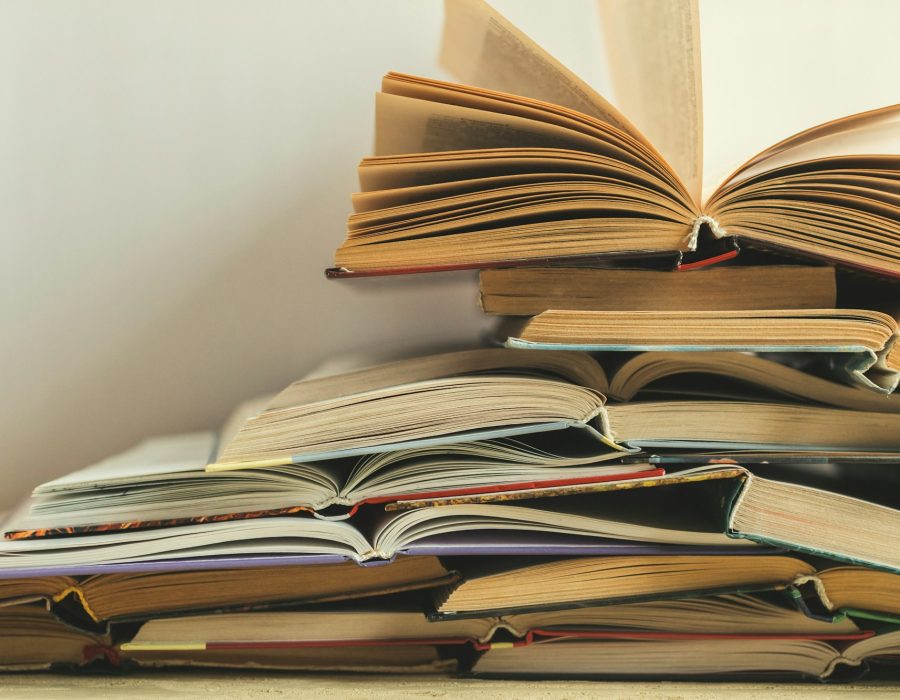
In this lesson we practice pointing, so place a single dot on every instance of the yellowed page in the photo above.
(653, 47)
(481, 47)
(773, 68)
(870, 133)
(408, 125)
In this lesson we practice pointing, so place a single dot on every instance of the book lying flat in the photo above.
(486, 395)
(866, 337)
(731, 498)
(104, 597)
(491, 588)
(526, 163)
(527, 291)
(722, 616)
(736, 376)
(422, 402)
(138, 489)
(380, 538)
(674, 658)
(31, 639)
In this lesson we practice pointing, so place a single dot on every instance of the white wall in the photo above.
(174, 177)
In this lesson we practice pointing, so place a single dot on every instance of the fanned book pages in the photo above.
(132, 595)
(532, 591)
(545, 527)
(32, 639)
(866, 340)
(736, 376)
(525, 162)
(825, 522)
(423, 402)
(124, 492)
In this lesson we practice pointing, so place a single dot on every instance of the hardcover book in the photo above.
(525, 163)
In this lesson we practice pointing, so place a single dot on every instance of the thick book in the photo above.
(525, 586)
(422, 402)
(715, 616)
(490, 394)
(863, 342)
(456, 529)
(33, 639)
(527, 291)
(737, 376)
(525, 163)
(719, 659)
(164, 482)
(818, 521)
(101, 598)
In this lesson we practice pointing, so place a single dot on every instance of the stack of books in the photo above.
(677, 457)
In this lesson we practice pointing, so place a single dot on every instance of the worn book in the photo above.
(725, 496)
(512, 587)
(528, 291)
(524, 163)
(165, 481)
(458, 529)
(486, 394)
(33, 639)
(105, 597)
(862, 344)
(175, 480)
(715, 616)
(719, 659)
(739, 376)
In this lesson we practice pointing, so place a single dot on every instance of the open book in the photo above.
(821, 521)
(452, 529)
(862, 343)
(100, 598)
(526, 162)
(673, 658)
(486, 394)
(165, 481)
(31, 638)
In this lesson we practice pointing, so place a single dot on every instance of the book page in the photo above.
(480, 47)
(653, 52)
(774, 68)
(875, 132)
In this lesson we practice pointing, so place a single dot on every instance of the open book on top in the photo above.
(526, 162)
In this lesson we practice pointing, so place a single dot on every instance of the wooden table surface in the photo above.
(192, 684)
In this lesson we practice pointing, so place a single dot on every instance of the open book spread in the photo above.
(677, 455)
(522, 161)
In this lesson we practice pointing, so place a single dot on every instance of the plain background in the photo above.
(174, 177)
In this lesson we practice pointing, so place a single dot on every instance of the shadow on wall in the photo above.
(253, 322)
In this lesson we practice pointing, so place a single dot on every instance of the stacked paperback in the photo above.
(675, 458)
